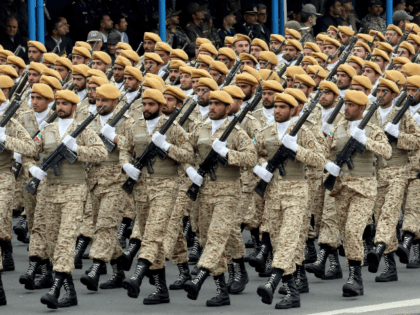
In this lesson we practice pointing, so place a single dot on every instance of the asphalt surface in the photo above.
(325, 297)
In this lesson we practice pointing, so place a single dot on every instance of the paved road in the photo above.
(324, 297)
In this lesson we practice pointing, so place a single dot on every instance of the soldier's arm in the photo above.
(90, 147)
(310, 150)
(377, 142)
(181, 149)
(409, 136)
(127, 147)
(121, 131)
(244, 152)
(18, 139)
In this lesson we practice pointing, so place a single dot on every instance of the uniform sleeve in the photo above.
(409, 136)
(18, 139)
(127, 147)
(244, 153)
(181, 149)
(260, 148)
(122, 131)
(310, 151)
(90, 147)
(378, 143)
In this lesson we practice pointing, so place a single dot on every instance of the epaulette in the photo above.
(237, 127)
(268, 126)
(250, 116)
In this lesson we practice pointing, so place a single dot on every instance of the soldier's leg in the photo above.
(3, 300)
(7, 186)
(316, 201)
(29, 204)
(18, 199)
(128, 215)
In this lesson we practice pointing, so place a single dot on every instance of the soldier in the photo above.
(257, 46)
(322, 74)
(131, 55)
(345, 73)
(373, 20)
(204, 62)
(18, 64)
(290, 75)
(292, 49)
(390, 31)
(406, 50)
(310, 48)
(80, 55)
(229, 42)
(101, 61)
(174, 66)
(361, 50)
(308, 61)
(248, 85)
(227, 56)
(330, 47)
(380, 58)
(248, 25)
(357, 64)
(49, 59)
(79, 74)
(63, 66)
(178, 54)
(208, 49)
(241, 44)
(180, 38)
(163, 50)
(122, 46)
(154, 60)
(186, 80)
(119, 65)
(291, 33)
(36, 51)
(373, 72)
(218, 72)
(196, 27)
(415, 41)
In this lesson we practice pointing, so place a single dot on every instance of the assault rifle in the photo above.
(18, 86)
(190, 109)
(403, 38)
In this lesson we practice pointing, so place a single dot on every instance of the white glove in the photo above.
(17, 157)
(417, 118)
(327, 128)
(109, 132)
(42, 125)
(261, 171)
(131, 171)
(333, 169)
(160, 141)
(392, 129)
(37, 172)
(359, 135)
(194, 176)
(290, 142)
(70, 143)
(2, 134)
(220, 147)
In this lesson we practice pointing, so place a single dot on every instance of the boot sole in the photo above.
(413, 266)
(351, 293)
(132, 290)
(153, 302)
(87, 282)
(265, 294)
(29, 285)
(45, 285)
(8, 268)
(49, 301)
(219, 304)
(402, 255)
(373, 262)
(109, 287)
(285, 307)
(316, 273)
(257, 264)
(393, 278)
(337, 276)
(190, 289)
(20, 235)
(78, 266)
(3, 302)
(69, 304)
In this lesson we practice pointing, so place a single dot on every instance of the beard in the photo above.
(151, 116)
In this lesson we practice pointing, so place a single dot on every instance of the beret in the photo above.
(222, 96)
(331, 41)
(152, 56)
(357, 60)
(313, 69)
(200, 73)
(245, 56)
(209, 83)
(408, 27)
(305, 79)
(102, 56)
(5, 53)
(208, 48)
(253, 72)
(389, 84)
(6, 82)
(186, 69)
(17, 61)
(328, 85)
(38, 67)
(269, 56)
(311, 60)
(51, 81)
(81, 69)
(395, 28)
(124, 46)
(356, 97)
(286, 98)
(363, 81)
(407, 46)
(229, 40)
(246, 78)
(234, 91)
(98, 81)
(51, 73)
(206, 59)
(8, 70)
(82, 51)
(346, 30)
(175, 64)
(411, 69)
(332, 28)
(152, 36)
(2, 97)
(295, 43)
(83, 44)
(96, 73)
(178, 53)
(63, 61)
(401, 60)
(264, 73)
(38, 45)
(136, 73)
(219, 66)
(366, 37)
(380, 53)
(379, 34)
(161, 46)
(294, 70)
(312, 46)
(49, 58)
(348, 69)
(68, 96)
(413, 81)
(320, 55)
(321, 37)
(227, 52)
(155, 95)
(131, 54)
(239, 37)
(260, 43)
(122, 61)
(416, 38)
(272, 85)
(297, 94)
(395, 75)
(277, 37)
(373, 65)
(293, 33)
(364, 45)
(200, 41)
(157, 79)
(176, 92)
(385, 46)
(108, 91)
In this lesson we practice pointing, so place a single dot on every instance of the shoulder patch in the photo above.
(20, 134)
(378, 138)
(311, 143)
(412, 128)
(92, 140)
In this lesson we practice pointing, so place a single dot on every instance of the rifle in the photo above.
(213, 158)
(370, 44)
(340, 61)
(351, 42)
(166, 73)
(18, 86)
(138, 48)
(283, 69)
(66, 78)
(277, 50)
(403, 38)
(304, 38)
(110, 73)
(392, 37)
(55, 49)
(232, 73)
(299, 60)
(330, 57)
(190, 109)
(17, 51)
(60, 153)
(352, 146)
(415, 57)
(401, 99)
(283, 153)
(148, 68)
(89, 64)
(142, 67)
(338, 33)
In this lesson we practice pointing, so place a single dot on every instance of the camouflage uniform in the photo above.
(378, 24)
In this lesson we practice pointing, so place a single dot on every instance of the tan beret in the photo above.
(38, 67)
(200, 73)
(17, 61)
(130, 54)
(122, 61)
(356, 97)
(414, 81)
(49, 58)
(234, 91)
(51, 73)
(272, 85)
(395, 28)
(81, 51)
(351, 72)
(357, 60)
(373, 65)
(389, 84)
(152, 36)
(5, 53)
(245, 56)
(253, 72)
(332, 28)
(305, 79)
(321, 37)
(155, 95)
(208, 48)
(2, 97)
(176, 92)
(380, 53)
(416, 38)
(158, 78)
(81, 69)
(63, 61)
(277, 37)
(409, 26)
(297, 94)
(286, 98)
(346, 30)
(395, 75)
(363, 81)
(68, 96)
(200, 41)
(152, 56)
(378, 34)
(38, 45)
(124, 46)
(328, 85)
(364, 45)
(176, 64)
(133, 71)
(83, 44)
(209, 83)
(6, 82)
(385, 47)
(411, 69)
(98, 80)
(260, 43)
(321, 73)
(43, 90)
(161, 46)
(186, 69)
(294, 43)
(269, 56)
(206, 59)
(366, 37)
(246, 78)
(320, 55)
(311, 60)
(264, 73)
(108, 91)
(294, 70)
(219, 66)
(102, 56)
(51, 81)
(8, 70)
(401, 60)
(227, 52)
(178, 53)
(293, 33)
(407, 46)
(331, 41)
(222, 96)
(229, 40)
(312, 46)
(239, 37)
(96, 73)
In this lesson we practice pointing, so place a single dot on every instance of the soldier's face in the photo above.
(149, 45)
(131, 83)
(3, 61)
(118, 52)
(332, 33)
(247, 62)
(110, 105)
(327, 99)
(173, 74)
(414, 44)
(387, 100)
(343, 80)
(194, 84)
(218, 110)
(344, 38)
(398, 66)
(305, 66)
(268, 98)
(330, 50)
(155, 66)
(360, 88)
(39, 103)
(307, 52)
(320, 44)
(381, 63)
(242, 46)
(247, 89)
(33, 77)
(235, 106)
(206, 53)
(79, 82)
(203, 66)
(34, 54)
(186, 82)
(229, 63)
(317, 80)
(118, 73)
(395, 40)
(412, 90)
(282, 112)
(360, 52)
(92, 93)
(255, 51)
(204, 101)
(230, 46)
(169, 107)
(215, 75)
(78, 60)
(353, 112)
(371, 74)
(263, 65)
(356, 67)
(62, 71)
(65, 109)
(304, 88)
(151, 109)
(164, 55)
(402, 52)
(98, 65)
(274, 44)
(289, 82)
(18, 70)
(289, 53)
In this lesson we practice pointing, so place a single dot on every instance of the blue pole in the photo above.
(389, 13)
(275, 16)
(282, 22)
(40, 20)
(162, 20)
(32, 21)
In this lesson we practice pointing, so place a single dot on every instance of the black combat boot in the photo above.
(133, 284)
(354, 284)
(81, 245)
(368, 241)
(70, 298)
(129, 230)
(415, 260)
(91, 280)
(259, 261)
(267, 271)
(267, 291)
(241, 277)
(335, 271)
(117, 277)
(222, 295)
(318, 267)
(130, 253)
(102, 269)
(310, 251)
(374, 257)
(195, 252)
(51, 298)
(21, 229)
(161, 294)
(301, 281)
(125, 224)
(28, 279)
(188, 232)
(46, 279)
(3, 300)
(6, 252)
(390, 272)
(193, 287)
(255, 234)
(231, 273)
(195, 271)
(184, 276)
(292, 298)
(403, 251)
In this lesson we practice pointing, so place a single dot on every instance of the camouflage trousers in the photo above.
(129, 210)
(7, 187)
(412, 209)
(39, 243)
(316, 193)
(254, 216)
(329, 232)
(18, 198)
(30, 205)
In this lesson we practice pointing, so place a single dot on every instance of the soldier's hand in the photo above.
(131, 171)
(42, 125)
(109, 132)
(37, 172)
(220, 147)
(333, 169)
(160, 141)
(290, 142)
(2, 134)
(392, 129)
(70, 143)
(261, 171)
(359, 135)
(17, 157)
(194, 176)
